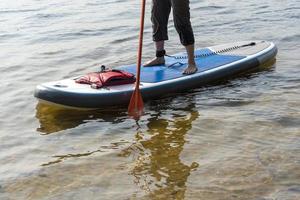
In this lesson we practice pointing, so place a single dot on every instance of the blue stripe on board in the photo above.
(156, 74)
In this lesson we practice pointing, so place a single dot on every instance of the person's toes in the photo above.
(194, 70)
(185, 71)
(190, 70)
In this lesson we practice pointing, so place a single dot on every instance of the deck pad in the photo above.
(174, 67)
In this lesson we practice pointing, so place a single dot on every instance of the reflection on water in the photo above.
(60, 158)
(53, 119)
(158, 168)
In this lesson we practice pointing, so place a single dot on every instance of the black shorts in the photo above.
(181, 15)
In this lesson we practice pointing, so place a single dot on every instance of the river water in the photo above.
(236, 140)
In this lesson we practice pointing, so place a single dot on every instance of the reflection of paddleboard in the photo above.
(214, 63)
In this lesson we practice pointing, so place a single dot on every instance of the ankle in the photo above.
(192, 62)
(160, 53)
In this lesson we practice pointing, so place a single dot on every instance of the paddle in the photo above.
(136, 105)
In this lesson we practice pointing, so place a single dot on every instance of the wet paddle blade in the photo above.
(136, 105)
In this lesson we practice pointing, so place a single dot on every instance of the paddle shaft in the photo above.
(139, 58)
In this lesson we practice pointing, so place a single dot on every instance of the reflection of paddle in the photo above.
(136, 105)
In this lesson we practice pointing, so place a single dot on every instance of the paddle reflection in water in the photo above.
(158, 168)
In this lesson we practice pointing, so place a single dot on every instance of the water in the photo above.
(235, 140)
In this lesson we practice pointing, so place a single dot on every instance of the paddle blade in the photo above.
(136, 104)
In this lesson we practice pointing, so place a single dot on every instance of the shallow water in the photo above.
(239, 139)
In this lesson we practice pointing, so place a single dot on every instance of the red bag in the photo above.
(107, 78)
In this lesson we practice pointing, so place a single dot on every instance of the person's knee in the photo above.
(186, 34)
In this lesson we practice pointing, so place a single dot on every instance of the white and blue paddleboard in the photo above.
(214, 63)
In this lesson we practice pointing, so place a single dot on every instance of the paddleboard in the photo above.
(214, 63)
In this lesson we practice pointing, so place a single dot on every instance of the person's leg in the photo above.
(159, 16)
(181, 15)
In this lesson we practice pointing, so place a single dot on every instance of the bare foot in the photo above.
(155, 61)
(191, 69)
